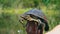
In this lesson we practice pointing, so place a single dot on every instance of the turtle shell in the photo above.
(37, 13)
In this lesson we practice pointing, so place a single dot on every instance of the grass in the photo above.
(9, 23)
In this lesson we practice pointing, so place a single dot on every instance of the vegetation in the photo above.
(11, 9)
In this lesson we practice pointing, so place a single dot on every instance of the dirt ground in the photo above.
(55, 30)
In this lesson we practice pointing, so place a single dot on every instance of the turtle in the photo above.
(37, 14)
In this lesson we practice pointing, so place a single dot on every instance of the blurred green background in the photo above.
(11, 9)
